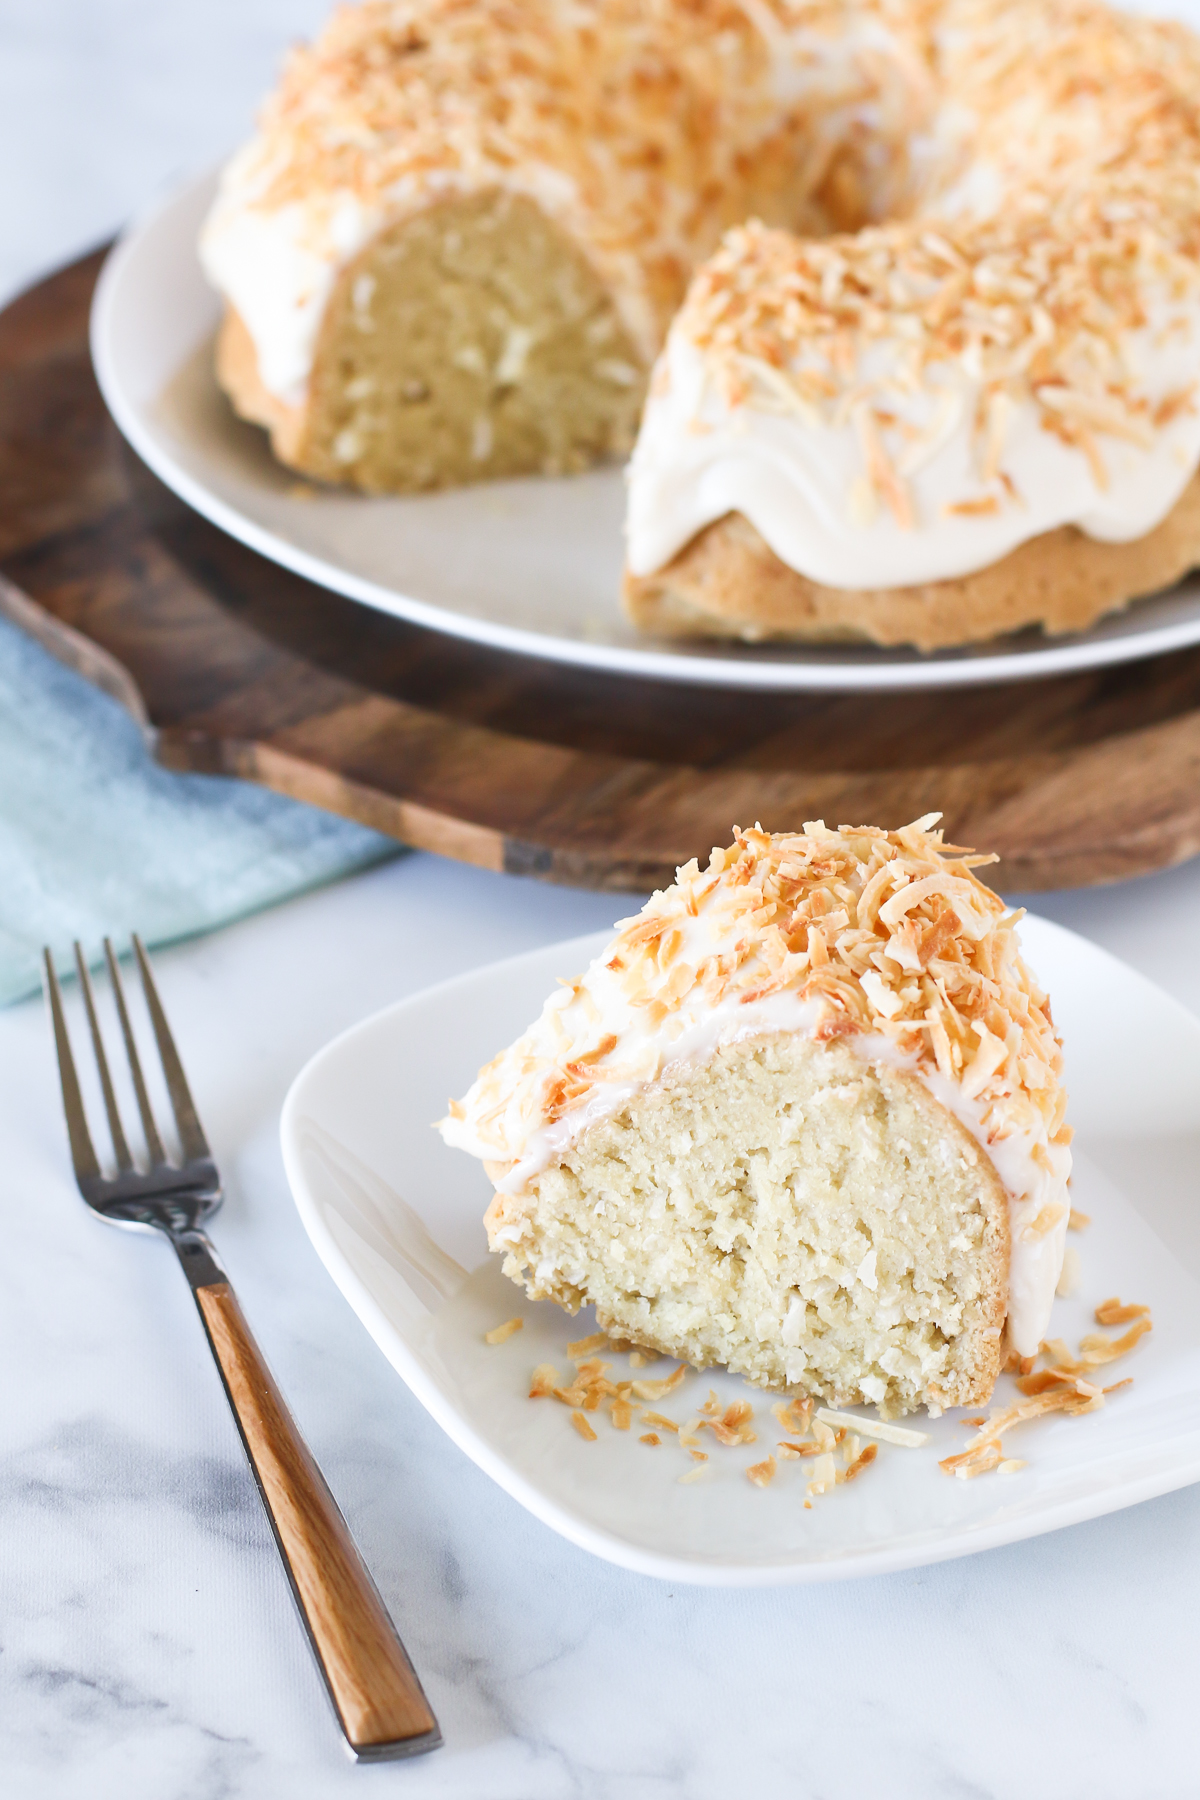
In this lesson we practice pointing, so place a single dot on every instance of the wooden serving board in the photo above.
(235, 666)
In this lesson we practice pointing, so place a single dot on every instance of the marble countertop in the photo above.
(150, 1650)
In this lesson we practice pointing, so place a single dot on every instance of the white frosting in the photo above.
(1033, 1170)
(798, 478)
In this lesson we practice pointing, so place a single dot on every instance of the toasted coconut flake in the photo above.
(973, 509)
(621, 1415)
(734, 1425)
(1113, 1312)
(650, 1437)
(694, 1474)
(585, 1346)
(794, 1415)
(1046, 1220)
(1010, 1466)
(544, 1380)
(875, 1428)
(973, 1462)
(762, 1473)
(1061, 1387)
(583, 1427)
(500, 1334)
(863, 1460)
(1097, 1349)
(1039, 1383)
(661, 1420)
(658, 1390)
(1078, 1221)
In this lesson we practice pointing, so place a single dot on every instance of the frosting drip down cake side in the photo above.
(802, 1117)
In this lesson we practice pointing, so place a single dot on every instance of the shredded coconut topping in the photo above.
(1073, 225)
(889, 934)
(645, 126)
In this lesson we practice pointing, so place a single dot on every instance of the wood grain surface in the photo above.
(370, 1679)
(235, 666)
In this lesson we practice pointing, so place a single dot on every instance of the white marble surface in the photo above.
(149, 1647)
(150, 1651)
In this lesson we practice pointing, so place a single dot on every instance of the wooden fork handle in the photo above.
(372, 1684)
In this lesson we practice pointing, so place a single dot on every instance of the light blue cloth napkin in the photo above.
(96, 839)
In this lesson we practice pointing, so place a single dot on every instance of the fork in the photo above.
(371, 1683)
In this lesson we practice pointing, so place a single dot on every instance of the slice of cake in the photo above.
(802, 1117)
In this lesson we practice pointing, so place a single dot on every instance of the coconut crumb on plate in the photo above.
(762, 1473)
(1112, 1312)
(877, 1428)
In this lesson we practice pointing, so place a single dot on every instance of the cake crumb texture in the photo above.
(805, 1219)
(469, 341)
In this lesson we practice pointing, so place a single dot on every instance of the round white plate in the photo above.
(531, 566)
(397, 1219)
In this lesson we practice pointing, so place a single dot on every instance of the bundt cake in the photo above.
(802, 1117)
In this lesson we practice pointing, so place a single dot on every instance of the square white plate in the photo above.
(397, 1219)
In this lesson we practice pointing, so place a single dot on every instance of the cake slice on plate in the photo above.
(802, 1117)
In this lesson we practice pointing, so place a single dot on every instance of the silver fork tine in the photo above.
(158, 1155)
(83, 1155)
(191, 1137)
(115, 1130)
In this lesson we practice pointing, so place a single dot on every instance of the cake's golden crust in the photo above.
(728, 582)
